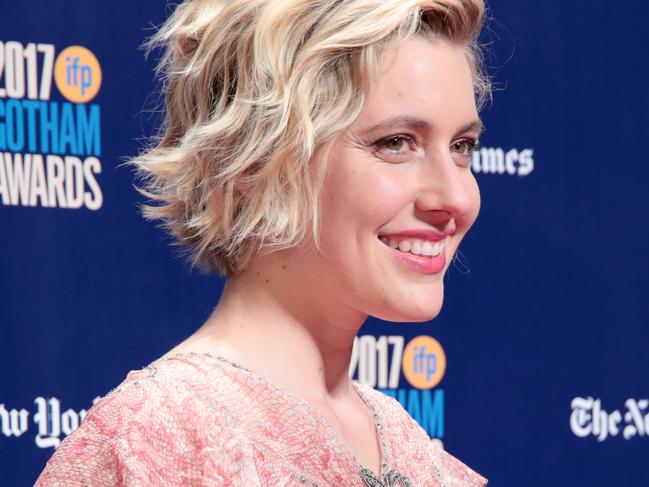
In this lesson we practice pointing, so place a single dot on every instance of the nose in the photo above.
(447, 189)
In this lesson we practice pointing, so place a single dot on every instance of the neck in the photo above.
(286, 329)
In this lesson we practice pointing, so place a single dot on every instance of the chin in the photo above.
(412, 310)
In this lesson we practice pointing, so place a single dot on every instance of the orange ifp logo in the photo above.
(77, 74)
(424, 362)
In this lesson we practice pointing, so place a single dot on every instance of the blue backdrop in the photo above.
(545, 322)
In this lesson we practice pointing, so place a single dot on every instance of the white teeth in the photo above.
(417, 247)
(427, 249)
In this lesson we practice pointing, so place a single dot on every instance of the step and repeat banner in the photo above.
(535, 373)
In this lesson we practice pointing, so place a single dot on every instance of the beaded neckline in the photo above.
(386, 478)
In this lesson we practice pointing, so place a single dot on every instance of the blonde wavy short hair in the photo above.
(255, 93)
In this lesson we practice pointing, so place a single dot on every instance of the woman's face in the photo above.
(400, 177)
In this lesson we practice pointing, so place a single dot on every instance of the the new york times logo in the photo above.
(589, 418)
(494, 160)
(52, 421)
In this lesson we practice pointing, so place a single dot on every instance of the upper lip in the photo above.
(422, 234)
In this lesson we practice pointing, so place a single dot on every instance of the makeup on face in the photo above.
(398, 195)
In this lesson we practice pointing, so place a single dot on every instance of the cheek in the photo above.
(381, 199)
(370, 195)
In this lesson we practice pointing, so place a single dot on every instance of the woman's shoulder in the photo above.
(166, 391)
(152, 429)
(411, 441)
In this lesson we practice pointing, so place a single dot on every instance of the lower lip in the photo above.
(420, 263)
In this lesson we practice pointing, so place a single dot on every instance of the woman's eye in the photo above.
(395, 144)
(396, 148)
(464, 147)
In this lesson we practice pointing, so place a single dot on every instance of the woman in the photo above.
(316, 153)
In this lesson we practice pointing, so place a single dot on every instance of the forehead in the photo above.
(430, 80)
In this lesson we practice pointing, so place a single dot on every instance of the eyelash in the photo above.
(473, 145)
(382, 143)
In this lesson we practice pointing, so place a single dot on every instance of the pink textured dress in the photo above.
(198, 420)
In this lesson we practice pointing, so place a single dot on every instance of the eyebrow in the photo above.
(419, 123)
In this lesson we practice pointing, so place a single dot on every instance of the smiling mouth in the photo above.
(415, 246)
